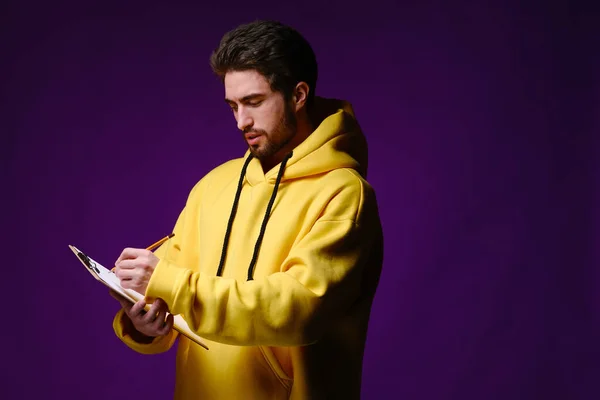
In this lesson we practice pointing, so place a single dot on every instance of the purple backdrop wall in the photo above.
(483, 127)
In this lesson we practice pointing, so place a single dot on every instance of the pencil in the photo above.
(161, 241)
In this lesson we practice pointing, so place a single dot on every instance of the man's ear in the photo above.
(300, 95)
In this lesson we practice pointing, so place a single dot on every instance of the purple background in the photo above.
(483, 126)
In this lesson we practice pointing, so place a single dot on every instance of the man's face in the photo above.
(266, 120)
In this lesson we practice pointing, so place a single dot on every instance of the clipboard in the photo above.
(109, 279)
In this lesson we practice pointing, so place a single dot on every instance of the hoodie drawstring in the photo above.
(265, 219)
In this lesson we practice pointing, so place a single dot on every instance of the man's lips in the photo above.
(252, 138)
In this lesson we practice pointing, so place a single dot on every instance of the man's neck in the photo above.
(303, 130)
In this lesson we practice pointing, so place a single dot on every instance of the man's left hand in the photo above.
(134, 267)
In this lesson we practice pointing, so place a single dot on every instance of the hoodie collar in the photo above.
(337, 142)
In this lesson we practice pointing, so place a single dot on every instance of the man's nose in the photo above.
(244, 120)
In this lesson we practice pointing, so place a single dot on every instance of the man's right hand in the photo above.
(147, 324)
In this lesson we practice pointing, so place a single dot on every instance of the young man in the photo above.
(276, 255)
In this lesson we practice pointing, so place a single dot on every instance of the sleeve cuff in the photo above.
(164, 282)
(158, 345)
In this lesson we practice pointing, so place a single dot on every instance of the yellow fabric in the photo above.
(297, 330)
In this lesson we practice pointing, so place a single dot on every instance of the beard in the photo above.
(278, 138)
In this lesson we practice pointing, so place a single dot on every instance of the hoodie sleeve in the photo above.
(318, 282)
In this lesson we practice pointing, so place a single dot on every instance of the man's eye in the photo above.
(254, 103)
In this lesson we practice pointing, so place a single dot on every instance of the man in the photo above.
(276, 255)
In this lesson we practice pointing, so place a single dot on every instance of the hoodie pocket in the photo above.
(275, 367)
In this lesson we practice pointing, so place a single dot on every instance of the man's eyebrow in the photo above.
(246, 98)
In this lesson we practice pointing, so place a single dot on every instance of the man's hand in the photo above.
(134, 267)
(145, 325)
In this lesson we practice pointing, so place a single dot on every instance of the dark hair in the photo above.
(276, 51)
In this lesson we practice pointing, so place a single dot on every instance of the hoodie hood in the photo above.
(337, 142)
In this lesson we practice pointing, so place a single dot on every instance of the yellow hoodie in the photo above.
(285, 312)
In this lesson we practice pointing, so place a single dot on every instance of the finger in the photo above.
(136, 283)
(137, 309)
(151, 314)
(130, 252)
(160, 320)
(126, 274)
(162, 305)
(127, 283)
(130, 263)
(167, 327)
